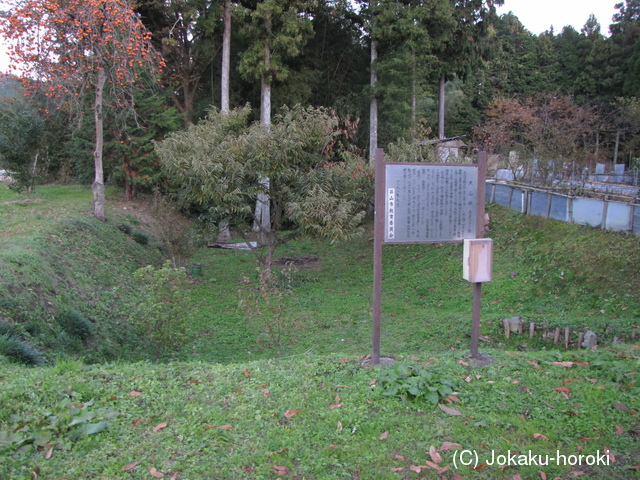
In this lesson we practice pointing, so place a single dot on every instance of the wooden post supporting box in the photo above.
(477, 257)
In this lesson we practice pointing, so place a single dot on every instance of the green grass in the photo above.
(228, 421)
(248, 361)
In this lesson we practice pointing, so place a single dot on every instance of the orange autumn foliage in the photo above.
(65, 43)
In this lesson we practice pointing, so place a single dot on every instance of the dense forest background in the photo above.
(432, 69)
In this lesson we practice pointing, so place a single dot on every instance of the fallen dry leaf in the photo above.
(337, 405)
(449, 410)
(457, 476)
(577, 473)
(415, 468)
(135, 393)
(620, 406)
(48, 454)
(569, 380)
(339, 426)
(333, 447)
(225, 427)
(265, 392)
(160, 426)
(619, 429)
(608, 453)
(155, 472)
(517, 477)
(398, 457)
(279, 470)
(385, 435)
(563, 364)
(131, 466)
(539, 436)
(397, 469)
(450, 446)
(633, 467)
(435, 456)
(246, 373)
(563, 391)
(543, 476)
(291, 413)
(437, 468)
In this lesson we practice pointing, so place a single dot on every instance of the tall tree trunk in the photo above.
(224, 234)
(373, 106)
(226, 58)
(98, 183)
(263, 210)
(441, 106)
(414, 96)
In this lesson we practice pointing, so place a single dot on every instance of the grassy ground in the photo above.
(318, 417)
(219, 408)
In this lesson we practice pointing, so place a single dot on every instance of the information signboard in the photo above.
(427, 203)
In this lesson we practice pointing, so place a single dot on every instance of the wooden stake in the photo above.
(556, 336)
(567, 336)
(507, 329)
(532, 329)
(580, 340)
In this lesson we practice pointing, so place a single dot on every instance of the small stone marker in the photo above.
(590, 340)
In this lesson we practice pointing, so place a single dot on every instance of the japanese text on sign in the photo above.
(430, 203)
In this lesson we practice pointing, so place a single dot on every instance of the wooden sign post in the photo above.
(427, 203)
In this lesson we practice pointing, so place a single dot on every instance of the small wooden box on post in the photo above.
(477, 263)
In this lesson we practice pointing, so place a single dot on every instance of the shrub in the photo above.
(19, 350)
(140, 237)
(7, 329)
(161, 311)
(125, 228)
(76, 324)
